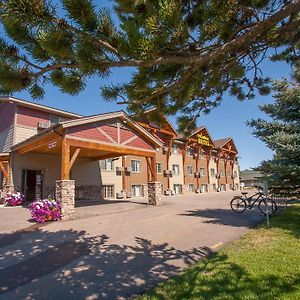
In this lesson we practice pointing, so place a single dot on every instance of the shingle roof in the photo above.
(221, 142)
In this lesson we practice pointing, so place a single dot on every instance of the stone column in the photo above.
(65, 195)
(154, 193)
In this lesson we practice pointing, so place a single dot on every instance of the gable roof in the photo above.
(37, 106)
(220, 143)
(90, 119)
(169, 124)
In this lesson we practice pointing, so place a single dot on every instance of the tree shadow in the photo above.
(71, 265)
(227, 217)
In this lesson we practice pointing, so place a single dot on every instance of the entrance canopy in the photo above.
(95, 137)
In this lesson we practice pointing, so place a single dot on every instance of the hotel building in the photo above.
(109, 155)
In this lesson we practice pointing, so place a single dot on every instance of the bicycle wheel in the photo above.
(267, 206)
(238, 205)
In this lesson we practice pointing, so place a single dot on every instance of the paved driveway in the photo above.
(113, 250)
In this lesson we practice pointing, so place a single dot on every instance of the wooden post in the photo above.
(153, 166)
(183, 162)
(123, 173)
(65, 159)
(217, 164)
(207, 162)
(197, 166)
(168, 160)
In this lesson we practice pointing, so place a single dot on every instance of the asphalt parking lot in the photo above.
(115, 249)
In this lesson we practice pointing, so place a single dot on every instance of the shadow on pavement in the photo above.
(227, 217)
(77, 266)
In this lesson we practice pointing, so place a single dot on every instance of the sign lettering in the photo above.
(203, 140)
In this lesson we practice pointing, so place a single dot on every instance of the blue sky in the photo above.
(227, 120)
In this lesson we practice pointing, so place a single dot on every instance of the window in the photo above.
(107, 164)
(223, 187)
(108, 191)
(175, 169)
(228, 173)
(190, 151)
(54, 120)
(175, 149)
(214, 187)
(221, 173)
(212, 172)
(190, 170)
(177, 188)
(158, 168)
(191, 188)
(137, 190)
(204, 188)
(136, 166)
(202, 172)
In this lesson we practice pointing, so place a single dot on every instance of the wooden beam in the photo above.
(37, 143)
(106, 156)
(5, 172)
(157, 129)
(116, 149)
(65, 160)
(74, 156)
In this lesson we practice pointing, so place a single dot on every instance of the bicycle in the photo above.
(240, 203)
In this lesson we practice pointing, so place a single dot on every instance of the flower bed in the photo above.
(14, 199)
(45, 210)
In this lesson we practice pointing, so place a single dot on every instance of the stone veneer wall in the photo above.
(65, 195)
(154, 193)
(88, 192)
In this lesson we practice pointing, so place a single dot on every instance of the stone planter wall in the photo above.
(154, 193)
(65, 195)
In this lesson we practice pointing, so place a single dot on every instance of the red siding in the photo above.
(7, 113)
(31, 117)
(89, 131)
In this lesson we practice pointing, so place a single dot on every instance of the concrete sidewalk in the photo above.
(116, 250)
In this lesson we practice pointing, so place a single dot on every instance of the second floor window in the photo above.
(235, 173)
(159, 168)
(136, 165)
(221, 173)
(54, 120)
(202, 171)
(175, 149)
(107, 164)
(190, 170)
(175, 169)
(212, 172)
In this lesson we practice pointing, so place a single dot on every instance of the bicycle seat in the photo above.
(244, 193)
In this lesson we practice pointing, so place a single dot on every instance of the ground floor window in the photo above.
(236, 186)
(137, 190)
(177, 188)
(214, 186)
(204, 188)
(108, 191)
(191, 188)
(223, 187)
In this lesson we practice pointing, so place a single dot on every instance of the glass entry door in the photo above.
(32, 184)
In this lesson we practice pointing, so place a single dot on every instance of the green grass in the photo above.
(263, 264)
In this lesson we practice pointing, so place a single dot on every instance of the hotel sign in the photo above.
(203, 140)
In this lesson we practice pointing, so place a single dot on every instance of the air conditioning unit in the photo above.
(170, 172)
(128, 195)
(164, 150)
(196, 174)
(217, 176)
(195, 155)
(197, 191)
(120, 195)
(43, 125)
(215, 159)
(119, 169)
(128, 169)
(166, 172)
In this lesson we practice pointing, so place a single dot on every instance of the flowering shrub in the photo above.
(45, 210)
(14, 199)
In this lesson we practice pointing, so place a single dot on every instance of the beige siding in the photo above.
(22, 133)
(176, 159)
(6, 139)
(112, 177)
